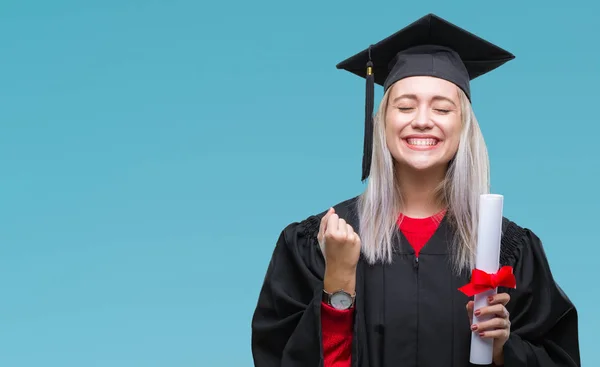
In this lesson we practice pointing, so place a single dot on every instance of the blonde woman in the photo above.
(374, 281)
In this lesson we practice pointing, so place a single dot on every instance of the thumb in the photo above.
(470, 310)
(329, 214)
(326, 216)
(323, 226)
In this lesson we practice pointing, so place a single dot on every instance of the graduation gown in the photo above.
(409, 313)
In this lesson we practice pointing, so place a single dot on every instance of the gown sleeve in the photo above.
(286, 325)
(544, 322)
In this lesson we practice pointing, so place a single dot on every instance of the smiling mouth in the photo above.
(422, 142)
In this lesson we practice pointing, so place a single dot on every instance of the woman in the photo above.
(375, 280)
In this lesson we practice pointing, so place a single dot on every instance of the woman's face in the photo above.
(423, 122)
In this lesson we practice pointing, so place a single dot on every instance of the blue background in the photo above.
(152, 151)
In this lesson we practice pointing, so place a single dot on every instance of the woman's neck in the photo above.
(419, 191)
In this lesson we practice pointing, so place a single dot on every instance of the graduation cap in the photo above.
(430, 46)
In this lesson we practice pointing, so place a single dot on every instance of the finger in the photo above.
(470, 310)
(350, 231)
(332, 223)
(326, 216)
(342, 228)
(493, 324)
(500, 298)
(495, 334)
(470, 305)
(323, 225)
(495, 310)
(354, 237)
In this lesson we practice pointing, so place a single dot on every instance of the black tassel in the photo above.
(368, 138)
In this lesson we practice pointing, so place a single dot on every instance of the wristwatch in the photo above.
(340, 299)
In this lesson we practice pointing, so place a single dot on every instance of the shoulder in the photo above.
(523, 250)
(518, 241)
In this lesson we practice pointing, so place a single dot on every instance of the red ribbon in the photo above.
(482, 281)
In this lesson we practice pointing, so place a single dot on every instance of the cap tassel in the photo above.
(368, 142)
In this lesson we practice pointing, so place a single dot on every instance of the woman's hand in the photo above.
(342, 250)
(497, 327)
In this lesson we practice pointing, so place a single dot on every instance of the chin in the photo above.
(421, 166)
(422, 163)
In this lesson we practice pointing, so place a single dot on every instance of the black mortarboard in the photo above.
(431, 46)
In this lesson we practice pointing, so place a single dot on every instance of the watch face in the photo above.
(341, 300)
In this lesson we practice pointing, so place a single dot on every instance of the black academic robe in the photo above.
(408, 313)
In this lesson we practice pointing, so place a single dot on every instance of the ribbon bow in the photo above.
(482, 281)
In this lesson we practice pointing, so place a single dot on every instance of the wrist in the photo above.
(498, 359)
(335, 280)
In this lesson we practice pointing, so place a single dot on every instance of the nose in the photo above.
(422, 120)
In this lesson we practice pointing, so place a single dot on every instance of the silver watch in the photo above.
(340, 300)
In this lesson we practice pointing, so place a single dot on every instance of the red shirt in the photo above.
(336, 325)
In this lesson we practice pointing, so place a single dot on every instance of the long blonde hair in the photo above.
(466, 179)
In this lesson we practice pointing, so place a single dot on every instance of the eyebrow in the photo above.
(413, 96)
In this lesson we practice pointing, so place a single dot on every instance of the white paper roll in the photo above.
(487, 259)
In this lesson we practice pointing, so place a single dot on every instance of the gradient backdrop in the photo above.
(152, 151)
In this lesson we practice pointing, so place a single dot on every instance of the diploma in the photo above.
(489, 230)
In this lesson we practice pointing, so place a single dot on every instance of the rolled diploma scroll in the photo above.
(488, 259)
